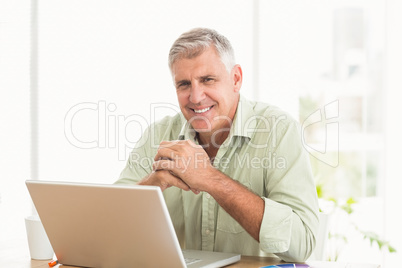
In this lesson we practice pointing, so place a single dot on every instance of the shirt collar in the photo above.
(242, 126)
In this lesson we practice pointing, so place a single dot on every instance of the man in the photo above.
(233, 172)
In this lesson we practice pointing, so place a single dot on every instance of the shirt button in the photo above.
(208, 195)
(207, 231)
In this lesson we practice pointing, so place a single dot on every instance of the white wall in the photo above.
(115, 53)
(393, 184)
(14, 117)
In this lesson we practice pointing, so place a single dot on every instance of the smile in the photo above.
(202, 110)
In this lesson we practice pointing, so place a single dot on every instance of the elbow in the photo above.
(299, 252)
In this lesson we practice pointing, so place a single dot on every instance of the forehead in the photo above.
(207, 62)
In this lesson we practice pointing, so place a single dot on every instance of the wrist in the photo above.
(217, 182)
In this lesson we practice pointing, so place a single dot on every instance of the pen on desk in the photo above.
(53, 263)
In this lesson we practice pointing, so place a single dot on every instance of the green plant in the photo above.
(347, 208)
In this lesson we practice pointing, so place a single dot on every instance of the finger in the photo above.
(165, 153)
(164, 165)
(168, 144)
(179, 145)
(195, 191)
(172, 180)
(191, 143)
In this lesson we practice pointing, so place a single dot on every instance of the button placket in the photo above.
(207, 222)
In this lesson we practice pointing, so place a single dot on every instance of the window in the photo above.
(323, 61)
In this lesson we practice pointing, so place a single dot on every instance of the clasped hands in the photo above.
(182, 164)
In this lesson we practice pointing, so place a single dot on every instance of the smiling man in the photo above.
(233, 172)
(208, 95)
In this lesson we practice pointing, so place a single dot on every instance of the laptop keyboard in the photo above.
(191, 260)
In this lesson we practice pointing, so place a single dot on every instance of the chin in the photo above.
(201, 125)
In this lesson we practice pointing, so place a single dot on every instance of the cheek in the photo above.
(182, 98)
(217, 96)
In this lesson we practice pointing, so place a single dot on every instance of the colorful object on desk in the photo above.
(288, 265)
(53, 263)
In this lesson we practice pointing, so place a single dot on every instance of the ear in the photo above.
(237, 76)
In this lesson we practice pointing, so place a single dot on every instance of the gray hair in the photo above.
(194, 42)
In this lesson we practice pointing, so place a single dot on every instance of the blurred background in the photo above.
(81, 80)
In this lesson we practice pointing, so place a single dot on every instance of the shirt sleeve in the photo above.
(290, 220)
(139, 163)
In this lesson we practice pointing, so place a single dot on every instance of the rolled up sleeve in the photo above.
(290, 220)
(276, 227)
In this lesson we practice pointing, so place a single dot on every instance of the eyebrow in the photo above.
(198, 78)
(206, 76)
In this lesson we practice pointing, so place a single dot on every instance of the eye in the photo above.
(207, 80)
(182, 84)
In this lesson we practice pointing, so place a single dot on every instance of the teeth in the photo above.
(202, 111)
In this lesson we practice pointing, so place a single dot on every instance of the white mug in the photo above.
(39, 245)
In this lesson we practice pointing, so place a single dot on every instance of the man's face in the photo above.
(207, 93)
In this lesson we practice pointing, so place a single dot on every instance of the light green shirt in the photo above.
(264, 152)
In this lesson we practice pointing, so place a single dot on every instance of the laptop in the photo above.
(96, 225)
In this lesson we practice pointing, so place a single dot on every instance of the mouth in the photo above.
(200, 111)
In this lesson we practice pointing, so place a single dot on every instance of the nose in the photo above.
(197, 93)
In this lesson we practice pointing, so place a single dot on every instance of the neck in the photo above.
(211, 142)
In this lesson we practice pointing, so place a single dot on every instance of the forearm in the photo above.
(243, 205)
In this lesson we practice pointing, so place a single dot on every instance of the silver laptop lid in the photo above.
(95, 225)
